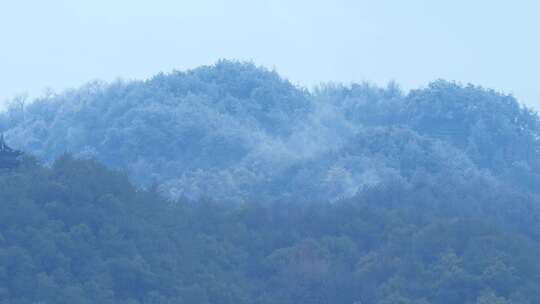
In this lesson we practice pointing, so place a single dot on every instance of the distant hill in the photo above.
(237, 132)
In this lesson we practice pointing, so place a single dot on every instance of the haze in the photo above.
(61, 44)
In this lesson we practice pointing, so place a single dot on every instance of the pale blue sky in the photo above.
(61, 44)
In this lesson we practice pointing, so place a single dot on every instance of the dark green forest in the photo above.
(228, 184)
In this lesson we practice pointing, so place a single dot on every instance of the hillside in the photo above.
(79, 233)
(228, 184)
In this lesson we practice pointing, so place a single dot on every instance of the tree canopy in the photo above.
(79, 233)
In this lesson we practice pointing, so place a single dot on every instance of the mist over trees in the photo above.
(231, 185)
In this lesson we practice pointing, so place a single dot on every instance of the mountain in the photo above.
(229, 184)
(237, 132)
